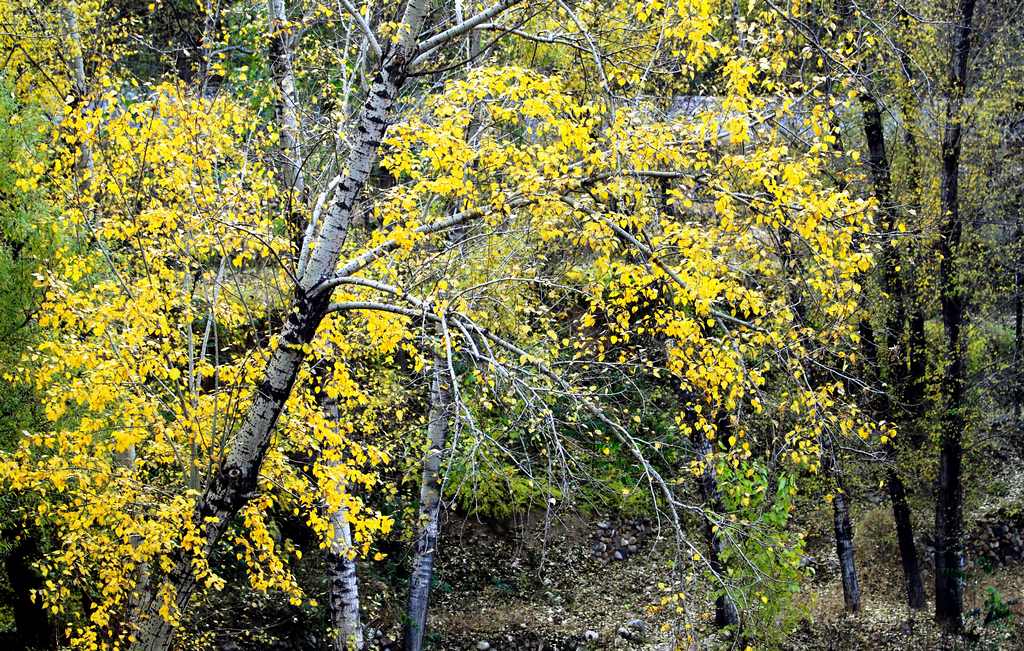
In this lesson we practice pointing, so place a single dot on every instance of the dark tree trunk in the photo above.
(914, 390)
(1018, 323)
(899, 371)
(905, 538)
(843, 529)
(726, 613)
(917, 350)
(949, 506)
(844, 549)
(33, 626)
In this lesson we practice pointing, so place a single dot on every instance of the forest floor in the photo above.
(500, 591)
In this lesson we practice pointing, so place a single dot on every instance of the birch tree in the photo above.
(190, 322)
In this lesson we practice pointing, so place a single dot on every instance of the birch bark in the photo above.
(342, 582)
(81, 88)
(287, 112)
(235, 481)
(430, 505)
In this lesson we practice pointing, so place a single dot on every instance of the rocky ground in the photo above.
(571, 584)
(565, 583)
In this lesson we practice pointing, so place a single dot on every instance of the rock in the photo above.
(483, 645)
(618, 555)
(590, 636)
(604, 525)
(635, 630)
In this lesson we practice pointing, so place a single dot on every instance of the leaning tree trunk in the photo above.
(430, 505)
(726, 613)
(895, 325)
(235, 480)
(949, 506)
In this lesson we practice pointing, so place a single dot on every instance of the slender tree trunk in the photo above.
(1018, 321)
(844, 549)
(843, 529)
(892, 283)
(430, 505)
(895, 325)
(235, 481)
(343, 586)
(342, 582)
(905, 538)
(287, 112)
(81, 85)
(917, 350)
(126, 458)
(726, 613)
(914, 395)
(949, 506)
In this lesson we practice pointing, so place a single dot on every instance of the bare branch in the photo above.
(436, 41)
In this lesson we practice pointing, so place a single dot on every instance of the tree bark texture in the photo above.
(900, 371)
(342, 582)
(843, 530)
(287, 114)
(430, 505)
(235, 481)
(949, 505)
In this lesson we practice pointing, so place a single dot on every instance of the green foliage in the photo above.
(25, 241)
(486, 485)
(764, 552)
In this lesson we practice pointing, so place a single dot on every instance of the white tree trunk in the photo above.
(235, 481)
(81, 89)
(343, 584)
(343, 587)
(430, 504)
(286, 108)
